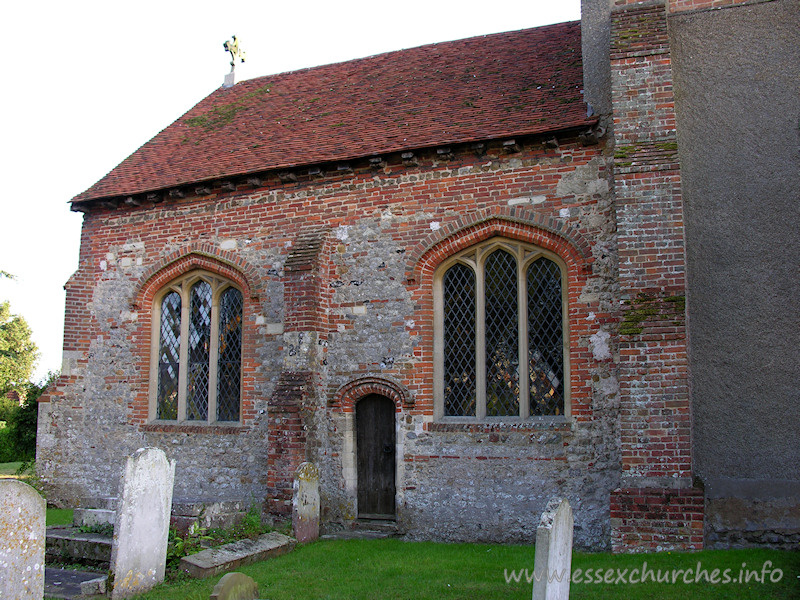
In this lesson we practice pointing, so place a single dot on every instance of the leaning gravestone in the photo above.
(235, 586)
(22, 538)
(305, 503)
(553, 561)
(141, 527)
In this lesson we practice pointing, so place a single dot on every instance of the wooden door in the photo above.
(375, 444)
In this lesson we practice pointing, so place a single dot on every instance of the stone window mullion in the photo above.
(438, 348)
(184, 352)
(522, 327)
(480, 338)
(213, 359)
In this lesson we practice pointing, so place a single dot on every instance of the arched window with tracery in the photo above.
(500, 343)
(197, 350)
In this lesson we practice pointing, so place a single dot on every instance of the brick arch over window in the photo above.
(197, 256)
(350, 393)
(524, 225)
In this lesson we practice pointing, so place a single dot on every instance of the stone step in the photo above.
(88, 517)
(102, 502)
(69, 544)
(366, 528)
(68, 584)
(375, 524)
(230, 556)
(357, 534)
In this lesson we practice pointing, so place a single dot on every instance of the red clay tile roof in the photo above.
(501, 85)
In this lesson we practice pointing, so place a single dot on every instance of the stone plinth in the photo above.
(214, 561)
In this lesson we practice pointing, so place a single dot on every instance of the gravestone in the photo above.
(553, 560)
(235, 586)
(141, 527)
(305, 503)
(22, 538)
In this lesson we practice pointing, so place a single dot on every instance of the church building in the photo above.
(463, 279)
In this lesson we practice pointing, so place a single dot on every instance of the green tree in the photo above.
(18, 353)
(22, 427)
(8, 409)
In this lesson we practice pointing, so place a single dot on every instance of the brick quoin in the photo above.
(655, 416)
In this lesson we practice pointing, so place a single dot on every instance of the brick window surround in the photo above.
(474, 396)
(195, 357)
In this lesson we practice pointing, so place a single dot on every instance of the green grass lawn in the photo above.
(58, 516)
(9, 469)
(396, 570)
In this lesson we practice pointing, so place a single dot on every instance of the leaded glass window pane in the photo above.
(169, 357)
(545, 338)
(502, 335)
(230, 355)
(199, 350)
(459, 341)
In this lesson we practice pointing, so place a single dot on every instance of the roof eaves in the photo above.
(84, 198)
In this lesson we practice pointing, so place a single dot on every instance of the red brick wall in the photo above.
(681, 5)
(287, 438)
(655, 418)
(454, 200)
(654, 520)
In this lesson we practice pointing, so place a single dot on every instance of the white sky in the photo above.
(85, 83)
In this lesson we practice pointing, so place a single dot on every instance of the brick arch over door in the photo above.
(349, 394)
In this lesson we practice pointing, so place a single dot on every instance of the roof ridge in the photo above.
(401, 50)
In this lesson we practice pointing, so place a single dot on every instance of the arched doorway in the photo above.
(375, 450)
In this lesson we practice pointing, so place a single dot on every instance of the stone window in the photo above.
(197, 350)
(499, 305)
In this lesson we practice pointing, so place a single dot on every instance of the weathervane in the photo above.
(232, 46)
